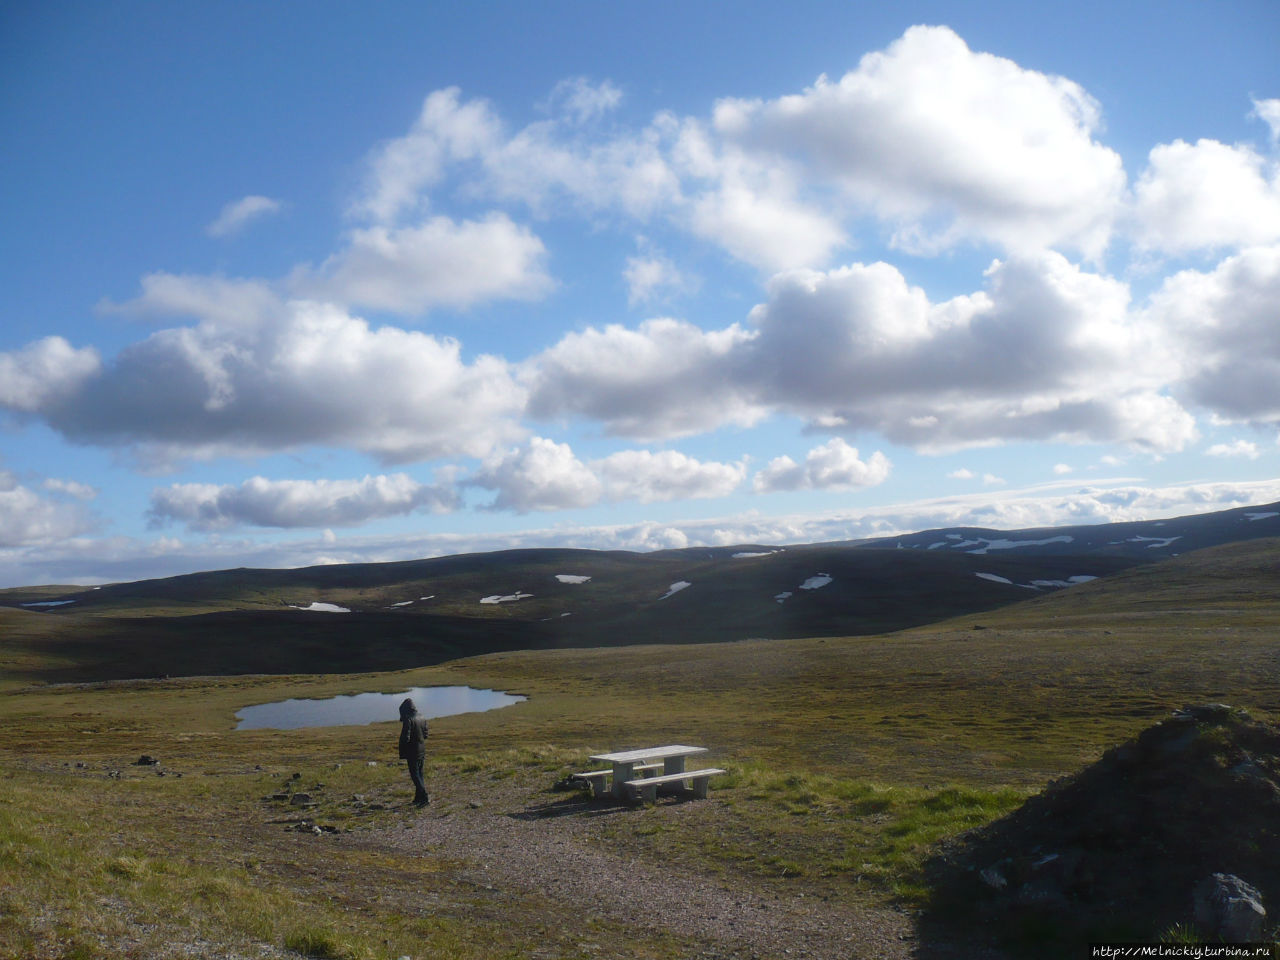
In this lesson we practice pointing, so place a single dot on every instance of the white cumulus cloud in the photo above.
(833, 465)
(304, 374)
(45, 373)
(438, 263)
(545, 475)
(949, 144)
(1206, 195)
(260, 502)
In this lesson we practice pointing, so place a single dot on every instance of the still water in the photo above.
(362, 708)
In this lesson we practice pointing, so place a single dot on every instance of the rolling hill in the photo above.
(360, 617)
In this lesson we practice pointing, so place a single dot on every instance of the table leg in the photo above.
(622, 772)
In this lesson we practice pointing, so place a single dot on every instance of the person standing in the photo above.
(413, 748)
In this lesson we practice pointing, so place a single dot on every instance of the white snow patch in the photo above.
(994, 578)
(935, 546)
(1251, 516)
(48, 603)
(1011, 544)
(1154, 543)
(758, 553)
(509, 598)
(1069, 582)
(676, 588)
(571, 578)
(402, 603)
(317, 607)
(432, 597)
(816, 583)
(784, 595)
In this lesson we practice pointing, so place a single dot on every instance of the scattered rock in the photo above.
(299, 799)
(1228, 909)
(146, 760)
(475, 804)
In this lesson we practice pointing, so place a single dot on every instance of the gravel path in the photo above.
(560, 852)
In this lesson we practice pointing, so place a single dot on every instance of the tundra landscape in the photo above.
(864, 757)
(677, 481)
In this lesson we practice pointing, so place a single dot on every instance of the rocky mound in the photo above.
(1118, 851)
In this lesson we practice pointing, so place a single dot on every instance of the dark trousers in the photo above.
(415, 774)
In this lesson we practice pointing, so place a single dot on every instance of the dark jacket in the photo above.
(413, 732)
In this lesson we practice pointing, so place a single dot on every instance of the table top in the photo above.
(649, 753)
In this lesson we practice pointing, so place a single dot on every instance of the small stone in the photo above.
(298, 799)
(993, 878)
(372, 763)
(1228, 908)
(146, 760)
(475, 804)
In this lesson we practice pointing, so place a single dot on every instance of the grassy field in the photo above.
(848, 760)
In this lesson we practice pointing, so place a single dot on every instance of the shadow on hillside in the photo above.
(1116, 852)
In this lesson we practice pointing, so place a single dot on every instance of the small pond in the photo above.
(361, 708)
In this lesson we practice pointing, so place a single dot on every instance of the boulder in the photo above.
(1229, 909)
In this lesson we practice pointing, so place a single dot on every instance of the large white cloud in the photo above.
(833, 465)
(1047, 351)
(942, 143)
(667, 378)
(303, 374)
(440, 262)
(1206, 195)
(29, 519)
(666, 475)
(545, 475)
(297, 503)
(949, 144)
(43, 373)
(1227, 323)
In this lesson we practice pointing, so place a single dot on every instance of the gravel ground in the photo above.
(560, 852)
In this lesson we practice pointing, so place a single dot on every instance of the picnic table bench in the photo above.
(633, 772)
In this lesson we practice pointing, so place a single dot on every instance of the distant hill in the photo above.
(358, 617)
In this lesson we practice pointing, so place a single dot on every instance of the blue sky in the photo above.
(302, 283)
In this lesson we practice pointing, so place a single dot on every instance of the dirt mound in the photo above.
(1116, 851)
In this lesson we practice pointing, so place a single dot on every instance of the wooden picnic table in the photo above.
(625, 762)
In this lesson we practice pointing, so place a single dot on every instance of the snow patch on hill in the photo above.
(676, 588)
(816, 583)
(508, 598)
(571, 578)
(317, 607)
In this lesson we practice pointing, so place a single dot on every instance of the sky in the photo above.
(300, 283)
